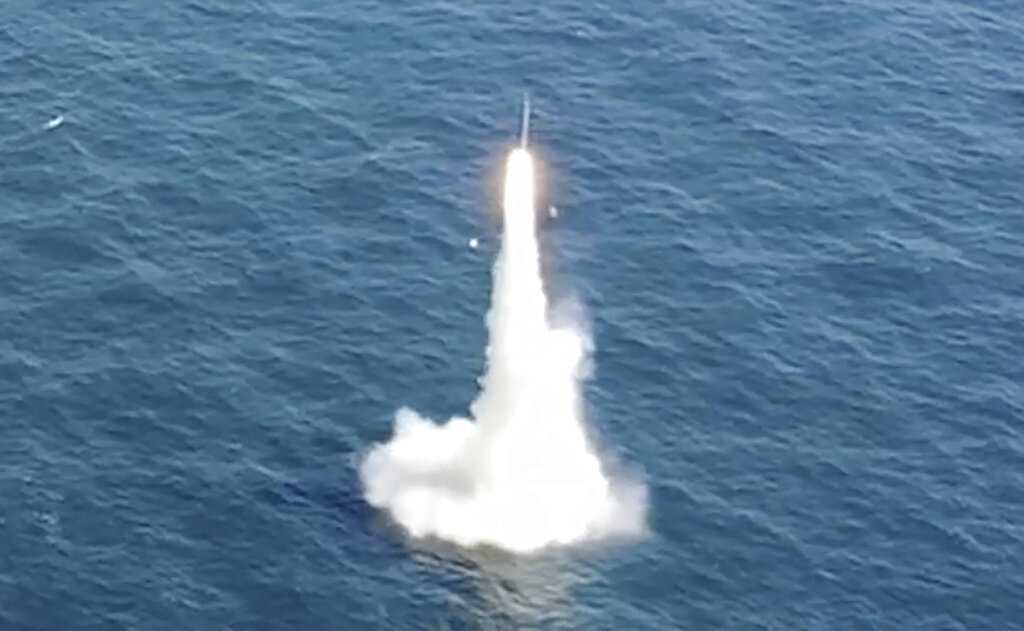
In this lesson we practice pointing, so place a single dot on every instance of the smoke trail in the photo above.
(522, 476)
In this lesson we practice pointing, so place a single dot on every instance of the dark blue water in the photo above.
(798, 228)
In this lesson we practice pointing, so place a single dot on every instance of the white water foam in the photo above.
(522, 475)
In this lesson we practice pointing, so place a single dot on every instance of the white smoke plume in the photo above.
(521, 475)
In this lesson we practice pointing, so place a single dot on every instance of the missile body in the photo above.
(524, 127)
(519, 184)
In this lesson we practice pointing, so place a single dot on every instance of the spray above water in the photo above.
(521, 475)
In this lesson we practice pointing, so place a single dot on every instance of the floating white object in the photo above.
(55, 122)
(473, 243)
(552, 211)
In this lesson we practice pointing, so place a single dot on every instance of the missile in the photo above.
(524, 128)
(518, 206)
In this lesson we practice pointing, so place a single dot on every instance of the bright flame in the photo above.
(523, 476)
(519, 182)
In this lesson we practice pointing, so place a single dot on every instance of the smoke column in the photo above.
(521, 475)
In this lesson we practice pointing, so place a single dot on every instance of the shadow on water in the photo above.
(488, 588)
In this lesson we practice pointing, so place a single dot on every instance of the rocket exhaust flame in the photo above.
(521, 475)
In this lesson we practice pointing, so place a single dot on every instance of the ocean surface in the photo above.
(234, 240)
